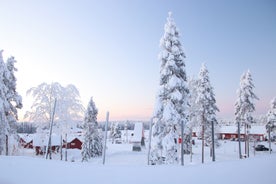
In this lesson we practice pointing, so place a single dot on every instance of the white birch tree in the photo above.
(68, 107)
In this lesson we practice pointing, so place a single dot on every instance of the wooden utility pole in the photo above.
(213, 142)
(191, 147)
(239, 139)
(182, 143)
(105, 136)
(150, 134)
(269, 138)
(66, 147)
(202, 137)
(49, 147)
(7, 145)
(61, 144)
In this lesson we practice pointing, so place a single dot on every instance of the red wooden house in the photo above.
(257, 133)
(74, 144)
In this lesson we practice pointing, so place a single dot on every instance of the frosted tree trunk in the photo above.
(61, 144)
(7, 145)
(182, 143)
(213, 143)
(202, 137)
(245, 140)
(66, 147)
(105, 136)
(239, 139)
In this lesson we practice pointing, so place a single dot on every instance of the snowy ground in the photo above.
(124, 166)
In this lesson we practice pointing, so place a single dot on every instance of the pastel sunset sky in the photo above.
(109, 49)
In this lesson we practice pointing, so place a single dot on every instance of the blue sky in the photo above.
(109, 49)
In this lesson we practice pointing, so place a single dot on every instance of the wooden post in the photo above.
(7, 145)
(269, 138)
(105, 136)
(150, 134)
(66, 147)
(213, 142)
(239, 139)
(49, 147)
(182, 143)
(61, 144)
(191, 147)
(202, 137)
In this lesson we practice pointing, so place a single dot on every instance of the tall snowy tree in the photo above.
(115, 132)
(10, 100)
(193, 114)
(4, 126)
(68, 107)
(13, 98)
(245, 106)
(271, 116)
(93, 141)
(207, 107)
(171, 108)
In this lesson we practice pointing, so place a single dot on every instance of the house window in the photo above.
(73, 144)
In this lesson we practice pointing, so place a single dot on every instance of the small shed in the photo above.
(74, 142)
(138, 137)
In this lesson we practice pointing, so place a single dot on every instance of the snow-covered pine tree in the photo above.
(126, 132)
(93, 142)
(206, 107)
(193, 114)
(271, 116)
(245, 106)
(4, 125)
(115, 132)
(171, 107)
(10, 100)
(13, 98)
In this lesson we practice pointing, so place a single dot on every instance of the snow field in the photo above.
(125, 166)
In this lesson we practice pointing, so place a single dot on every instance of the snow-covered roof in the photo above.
(71, 137)
(42, 140)
(26, 137)
(138, 132)
(233, 129)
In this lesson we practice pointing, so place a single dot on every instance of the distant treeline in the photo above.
(30, 128)
(123, 124)
(25, 127)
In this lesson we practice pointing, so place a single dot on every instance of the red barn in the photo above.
(26, 140)
(230, 132)
(74, 142)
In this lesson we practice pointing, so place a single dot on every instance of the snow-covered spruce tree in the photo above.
(206, 107)
(13, 98)
(245, 106)
(171, 107)
(4, 125)
(115, 132)
(10, 100)
(193, 114)
(271, 116)
(93, 143)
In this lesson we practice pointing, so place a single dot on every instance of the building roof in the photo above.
(255, 129)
